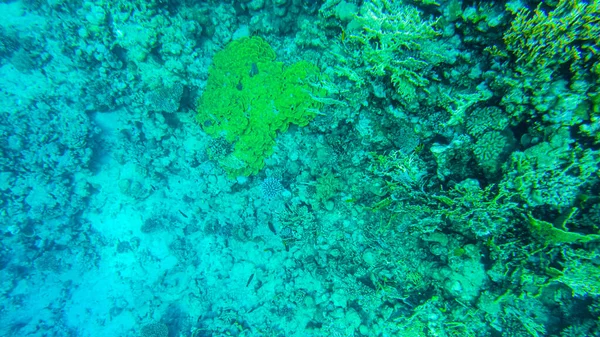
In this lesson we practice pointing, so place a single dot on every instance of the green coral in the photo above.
(591, 127)
(580, 272)
(552, 235)
(555, 63)
(568, 34)
(250, 97)
(485, 119)
(491, 149)
(389, 36)
(400, 170)
(327, 186)
(552, 173)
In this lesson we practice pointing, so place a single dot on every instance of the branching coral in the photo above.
(392, 40)
(568, 34)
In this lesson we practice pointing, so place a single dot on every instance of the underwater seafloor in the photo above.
(300, 168)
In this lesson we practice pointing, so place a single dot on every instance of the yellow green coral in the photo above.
(570, 33)
(250, 97)
(552, 235)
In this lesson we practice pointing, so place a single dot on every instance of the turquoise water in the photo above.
(300, 168)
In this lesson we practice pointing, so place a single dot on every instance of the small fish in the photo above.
(249, 280)
(185, 216)
(253, 70)
(272, 228)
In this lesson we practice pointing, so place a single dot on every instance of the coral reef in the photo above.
(300, 168)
